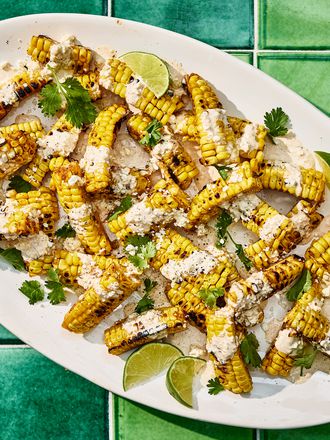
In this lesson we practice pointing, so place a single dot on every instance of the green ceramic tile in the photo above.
(133, 421)
(222, 23)
(321, 432)
(294, 24)
(10, 8)
(308, 75)
(7, 338)
(41, 400)
(244, 56)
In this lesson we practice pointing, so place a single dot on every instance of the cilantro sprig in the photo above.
(209, 296)
(125, 204)
(65, 231)
(146, 303)
(302, 285)
(14, 257)
(79, 107)
(305, 358)
(145, 250)
(277, 122)
(33, 290)
(223, 222)
(56, 292)
(19, 184)
(249, 347)
(214, 386)
(153, 134)
(223, 171)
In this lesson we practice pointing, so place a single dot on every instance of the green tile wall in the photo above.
(243, 56)
(7, 338)
(221, 23)
(294, 24)
(321, 432)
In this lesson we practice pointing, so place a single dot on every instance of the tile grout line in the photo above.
(109, 8)
(289, 51)
(256, 31)
(111, 418)
(14, 346)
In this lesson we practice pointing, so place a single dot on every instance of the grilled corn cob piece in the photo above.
(277, 363)
(169, 151)
(207, 202)
(22, 84)
(59, 141)
(128, 181)
(137, 329)
(229, 365)
(216, 137)
(166, 203)
(90, 82)
(34, 128)
(44, 49)
(118, 281)
(304, 183)
(96, 161)
(67, 179)
(184, 124)
(16, 149)
(318, 256)
(117, 76)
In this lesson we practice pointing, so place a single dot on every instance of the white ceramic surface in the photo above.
(244, 91)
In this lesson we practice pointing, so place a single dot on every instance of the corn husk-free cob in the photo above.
(34, 128)
(90, 82)
(184, 124)
(116, 76)
(137, 329)
(318, 255)
(67, 180)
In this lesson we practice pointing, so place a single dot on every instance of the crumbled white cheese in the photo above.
(95, 159)
(259, 286)
(105, 77)
(250, 317)
(130, 249)
(34, 246)
(198, 262)
(60, 54)
(124, 181)
(181, 218)
(269, 229)
(7, 94)
(316, 304)
(134, 90)
(58, 143)
(210, 122)
(325, 285)
(290, 148)
(288, 344)
(235, 176)
(79, 217)
(197, 351)
(223, 345)
(73, 244)
(248, 141)
(75, 181)
(178, 122)
(324, 345)
(149, 323)
(293, 178)
(242, 207)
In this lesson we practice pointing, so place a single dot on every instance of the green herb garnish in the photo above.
(33, 290)
(145, 250)
(56, 292)
(302, 285)
(249, 351)
(277, 122)
(19, 184)
(214, 386)
(209, 296)
(14, 257)
(305, 358)
(66, 231)
(125, 204)
(153, 135)
(146, 303)
(223, 171)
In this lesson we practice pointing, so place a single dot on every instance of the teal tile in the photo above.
(221, 23)
(10, 8)
(41, 400)
(133, 421)
(321, 432)
(307, 74)
(294, 24)
(244, 56)
(7, 338)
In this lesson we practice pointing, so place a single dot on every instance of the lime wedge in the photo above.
(180, 377)
(151, 69)
(324, 160)
(147, 362)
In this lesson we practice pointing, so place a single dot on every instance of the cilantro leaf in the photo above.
(153, 135)
(19, 184)
(223, 221)
(51, 100)
(223, 171)
(145, 250)
(56, 292)
(210, 296)
(243, 257)
(302, 285)
(65, 231)
(305, 358)
(125, 204)
(137, 240)
(146, 303)
(14, 257)
(33, 290)
(248, 348)
(277, 122)
(214, 386)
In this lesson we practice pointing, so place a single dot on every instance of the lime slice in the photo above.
(151, 69)
(147, 362)
(324, 160)
(180, 378)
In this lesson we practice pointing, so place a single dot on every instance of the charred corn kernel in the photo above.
(304, 183)
(96, 161)
(251, 316)
(216, 137)
(23, 84)
(137, 127)
(34, 128)
(318, 255)
(67, 179)
(137, 329)
(261, 285)
(40, 266)
(90, 82)
(116, 284)
(184, 124)
(35, 172)
(44, 49)
(16, 149)
(165, 204)
(207, 202)
(277, 363)
(116, 76)
(228, 363)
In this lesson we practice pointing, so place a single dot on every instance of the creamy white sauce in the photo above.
(34, 246)
(149, 322)
(8, 95)
(210, 122)
(60, 54)
(79, 217)
(105, 77)
(124, 181)
(243, 206)
(223, 345)
(287, 344)
(59, 143)
(270, 228)
(292, 177)
(248, 141)
(134, 91)
(95, 159)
